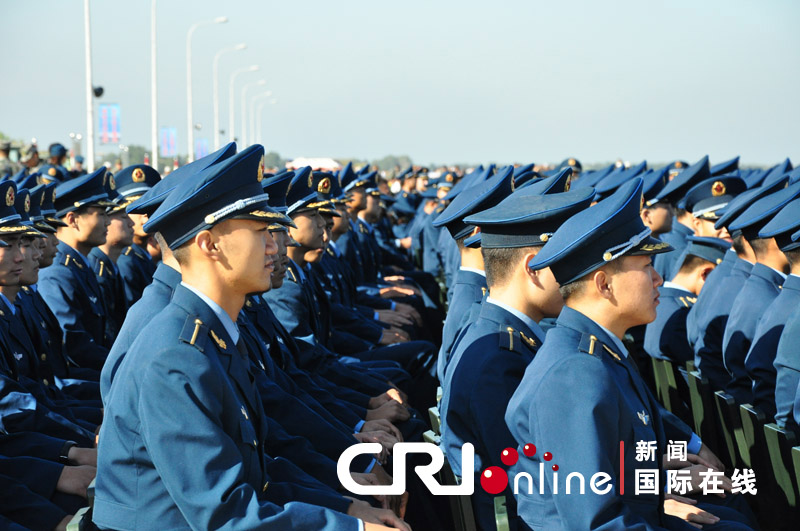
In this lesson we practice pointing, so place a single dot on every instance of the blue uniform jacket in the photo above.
(136, 268)
(787, 379)
(665, 338)
(711, 318)
(469, 288)
(761, 288)
(578, 399)
(182, 443)
(709, 286)
(760, 360)
(486, 369)
(70, 288)
(665, 263)
(110, 282)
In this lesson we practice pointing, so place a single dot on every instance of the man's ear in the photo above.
(601, 282)
(533, 274)
(208, 243)
(475, 231)
(706, 271)
(71, 219)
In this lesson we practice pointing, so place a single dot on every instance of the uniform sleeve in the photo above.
(288, 305)
(215, 495)
(59, 294)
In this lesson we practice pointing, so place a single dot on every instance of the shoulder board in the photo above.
(194, 332)
(127, 251)
(70, 260)
(102, 268)
(362, 229)
(683, 301)
(691, 300)
(291, 274)
(593, 346)
(510, 339)
(330, 252)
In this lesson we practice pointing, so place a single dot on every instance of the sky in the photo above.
(441, 81)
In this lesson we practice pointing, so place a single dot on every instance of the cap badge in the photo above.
(111, 182)
(27, 203)
(10, 197)
(324, 186)
(571, 162)
(138, 175)
(52, 172)
(568, 183)
(717, 189)
(260, 176)
(679, 164)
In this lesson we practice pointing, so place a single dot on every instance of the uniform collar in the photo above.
(301, 275)
(671, 285)
(575, 320)
(480, 272)
(10, 307)
(168, 275)
(229, 326)
(530, 323)
(68, 249)
(335, 248)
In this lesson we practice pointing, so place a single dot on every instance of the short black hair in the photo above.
(692, 262)
(577, 286)
(500, 262)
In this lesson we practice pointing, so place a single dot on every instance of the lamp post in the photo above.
(259, 137)
(219, 54)
(231, 112)
(153, 87)
(253, 116)
(189, 117)
(89, 89)
(244, 107)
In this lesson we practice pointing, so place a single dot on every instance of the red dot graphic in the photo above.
(529, 450)
(547, 456)
(494, 480)
(555, 468)
(509, 457)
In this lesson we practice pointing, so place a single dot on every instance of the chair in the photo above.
(501, 513)
(730, 424)
(779, 444)
(796, 463)
(754, 455)
(660, 377)
(460, 506)
(430, 437)
(700, 397)
(82, 521)
(436, 420)
(676, 390)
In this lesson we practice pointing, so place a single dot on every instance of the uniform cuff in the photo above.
(694, 444)
(394, 305)
(359, 426)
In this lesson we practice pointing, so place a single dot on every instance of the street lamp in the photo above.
(219, 54)
(244, 108)
(89, 89)
(189, 118)
(153, 86)
(259, 137)
(253, 101)
(251, 68)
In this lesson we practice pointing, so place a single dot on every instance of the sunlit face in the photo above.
(31, 253)
(635, 290)
(11, 259)
(138, 224)
(358, 199)
(341, 225)
(373, 206)
(120, 229)
(281, 260)
(658, 218)
(704, 227)
(247, 252)
(92, 224)
(552, 302)
(310, 231)
(49, 247)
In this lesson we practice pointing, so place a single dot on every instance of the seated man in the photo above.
(216, 222)
(665, 338)
(601, 259)
(492, 354)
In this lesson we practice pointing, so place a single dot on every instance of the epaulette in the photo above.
(593, 346)
(290, 272)
(330, 252)
(513, 340)
(483, 291)
(102, 267)
(127, 251)
(362, 229)
(70, 260)
(683, 301)
(194, 332)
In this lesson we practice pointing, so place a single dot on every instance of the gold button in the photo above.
(44, 381)
(255, 442)
(43, 357)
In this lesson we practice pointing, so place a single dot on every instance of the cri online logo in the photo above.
(494, 479)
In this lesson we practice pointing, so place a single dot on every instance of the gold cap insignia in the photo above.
(210, 219)
(112, 183)
(641, 203)
(719, 261)
(27, 203)
(324, 186)
(77, 204)
(544, 237)
(513, 183)
(260, 176)
(679, 164)
(571, 162)
(449, 177)
(52, 172)
(138, 175)
(568, 183)
(310, 179)
(607, 256)
(10, 197)
(718, 189)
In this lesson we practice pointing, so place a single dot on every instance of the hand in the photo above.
(394, 278)
(684, 508)
(408, 311)
(386, 441)
(397, 503)
(377, 401)
(375, 518)
(395, 388)
(394, 291)
(390, 411)
(76, 479)
(708, 456)
(384, 426)
(82, 456)
(371, 479)
(62, 525)
(393, 318)
(391, 336)
(406, 242)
